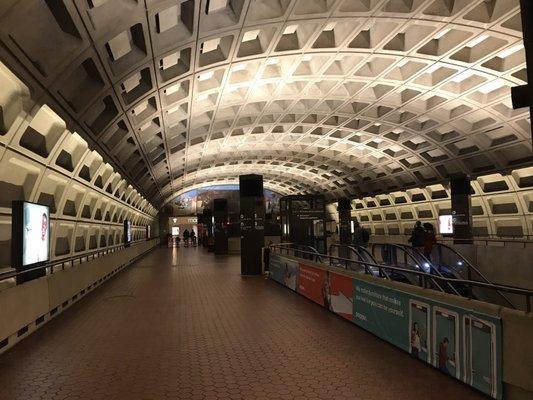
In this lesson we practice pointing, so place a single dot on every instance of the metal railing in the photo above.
(362, 255)
(502, 240)
(306, 251)
(66, 262)
(464, 263)
(424, 276)
(415, 259)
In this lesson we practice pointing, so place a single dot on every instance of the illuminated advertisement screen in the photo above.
(35, 234)
(148, 232)
(445, 224)
(127, 231)
(175, 231)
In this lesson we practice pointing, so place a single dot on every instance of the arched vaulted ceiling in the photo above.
(343, 97)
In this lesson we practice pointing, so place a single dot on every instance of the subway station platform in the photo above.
(182, 324)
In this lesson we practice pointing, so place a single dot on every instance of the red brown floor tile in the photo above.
(182, 324)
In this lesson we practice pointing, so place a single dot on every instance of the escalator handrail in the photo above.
(425, 260)
(477, 271)
(358, 253)
(299, 247)
(366, 252)
(356, 249)
(407, 250)
(527, 293)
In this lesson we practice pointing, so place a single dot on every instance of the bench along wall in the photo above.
(467, 339)
(25, 308)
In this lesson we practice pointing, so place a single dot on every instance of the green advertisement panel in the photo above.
(460, 342)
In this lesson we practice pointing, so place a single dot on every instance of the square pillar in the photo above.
(252, 218)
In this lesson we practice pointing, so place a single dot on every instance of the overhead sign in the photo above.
(309, 214)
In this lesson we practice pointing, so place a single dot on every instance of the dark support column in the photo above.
(207, 221)
(522, 96)
(462, 220)
(252, 215)
(164, 231)
(220, 212)
(344, 208)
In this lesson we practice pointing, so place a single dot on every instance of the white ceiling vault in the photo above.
(342, 97)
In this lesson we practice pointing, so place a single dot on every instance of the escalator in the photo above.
(304, 251)
(454, 265)
(406, 257)
(356, 258)
(402, 263)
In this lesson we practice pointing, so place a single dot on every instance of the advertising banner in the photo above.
(460, 342)
(312, 284)
(341, 295)
(381, 311)
(284, 271)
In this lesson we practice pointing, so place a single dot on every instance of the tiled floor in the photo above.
(183, 324)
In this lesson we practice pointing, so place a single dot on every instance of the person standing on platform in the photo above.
(186, 237)
(358, 239)
(193, 237)
(430, 240)
(418, 237)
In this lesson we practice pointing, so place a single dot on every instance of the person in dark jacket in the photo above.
(186, 236)
(430, 240)
(418, 237)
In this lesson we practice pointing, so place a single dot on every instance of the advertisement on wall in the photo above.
(446, 224)
(127, 232)
(312, 284)
(341, 295)
(460, 342)
(284, 271)
(381, 311)
(36, 234)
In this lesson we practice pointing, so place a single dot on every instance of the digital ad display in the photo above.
(445, 224)
(127, 231)
(35, 234)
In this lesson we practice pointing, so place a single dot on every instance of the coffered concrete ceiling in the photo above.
(343, 97)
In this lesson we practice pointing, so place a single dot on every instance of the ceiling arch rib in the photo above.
(387, 93)
(284, 174)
